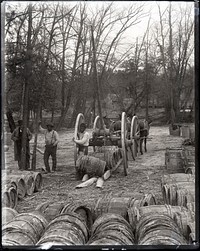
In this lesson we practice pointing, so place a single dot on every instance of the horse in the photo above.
(143, 130)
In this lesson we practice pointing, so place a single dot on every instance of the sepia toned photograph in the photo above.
(99, 124)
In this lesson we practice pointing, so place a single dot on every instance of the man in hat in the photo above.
(83, 140)
(51, 142)
(17, 138)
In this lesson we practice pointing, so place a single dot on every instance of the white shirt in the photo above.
(50, 137)
(83, 139)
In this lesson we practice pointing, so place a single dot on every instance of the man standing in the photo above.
(83, 140)
(17, 138)
(51, 142)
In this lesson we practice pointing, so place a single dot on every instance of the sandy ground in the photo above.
(144, 174)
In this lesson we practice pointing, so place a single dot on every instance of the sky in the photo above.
(150, 8)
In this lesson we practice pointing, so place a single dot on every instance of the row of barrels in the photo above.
(180, 217)
(17, 184)
(134, 221)
(147, 225)
(189, 159)
(58, 214)
(178, 189)
(180, 160)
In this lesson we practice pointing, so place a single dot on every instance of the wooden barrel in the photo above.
(68, 229)
(8, 183)
(110, 156)
(183, 219)
(16, 237)
(94, 167)
(37, 178)
(184, 196)
(191, 206)
(13, 197)
(37, 181)
(20, 183)
(192, 132)
(146, 200)
(50, 209)
(174, 159)
(173, 188)
(176, 177)
(185, 131)
(8, 214)
(157, 228)
(31, 224)
(26, 176)
(120, 205)
(6, 200)
(134, 213)
(112, 227)
(191, 233)
(81, 209)
(190, 170)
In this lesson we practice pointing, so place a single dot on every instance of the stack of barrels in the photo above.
(157, 225)
(120, 205)
(178, 189)
(17, 184)
(189, 159)
(51, 209)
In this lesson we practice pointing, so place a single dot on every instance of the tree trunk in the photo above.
(28, 72)
(96, 81)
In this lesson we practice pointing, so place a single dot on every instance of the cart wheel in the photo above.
(96, 126)
(123, 141)
(80, 119)
(133, 136)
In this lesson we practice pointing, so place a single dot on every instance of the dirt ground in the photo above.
(144, 174)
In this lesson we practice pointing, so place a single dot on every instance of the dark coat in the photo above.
(17, 138)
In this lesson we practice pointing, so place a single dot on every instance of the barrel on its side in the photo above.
(135, 214)
(20, 184)
(82, 210)
(90, 165)
(120, 205)
(8, 214)
(183, 219)
(111, 229)
(51, 209)
(9, 194)
(67, 229)
(24, 229)
(158, 229)
(37, 178)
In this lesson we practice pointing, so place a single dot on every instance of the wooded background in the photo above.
(50, 65)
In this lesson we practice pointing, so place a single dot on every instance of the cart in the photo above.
(122, 139)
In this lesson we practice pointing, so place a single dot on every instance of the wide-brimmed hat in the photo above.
(50, 124)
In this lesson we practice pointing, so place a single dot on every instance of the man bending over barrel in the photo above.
(83, 140)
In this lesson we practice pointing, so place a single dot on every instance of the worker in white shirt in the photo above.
(83, 140)
(51, 142)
